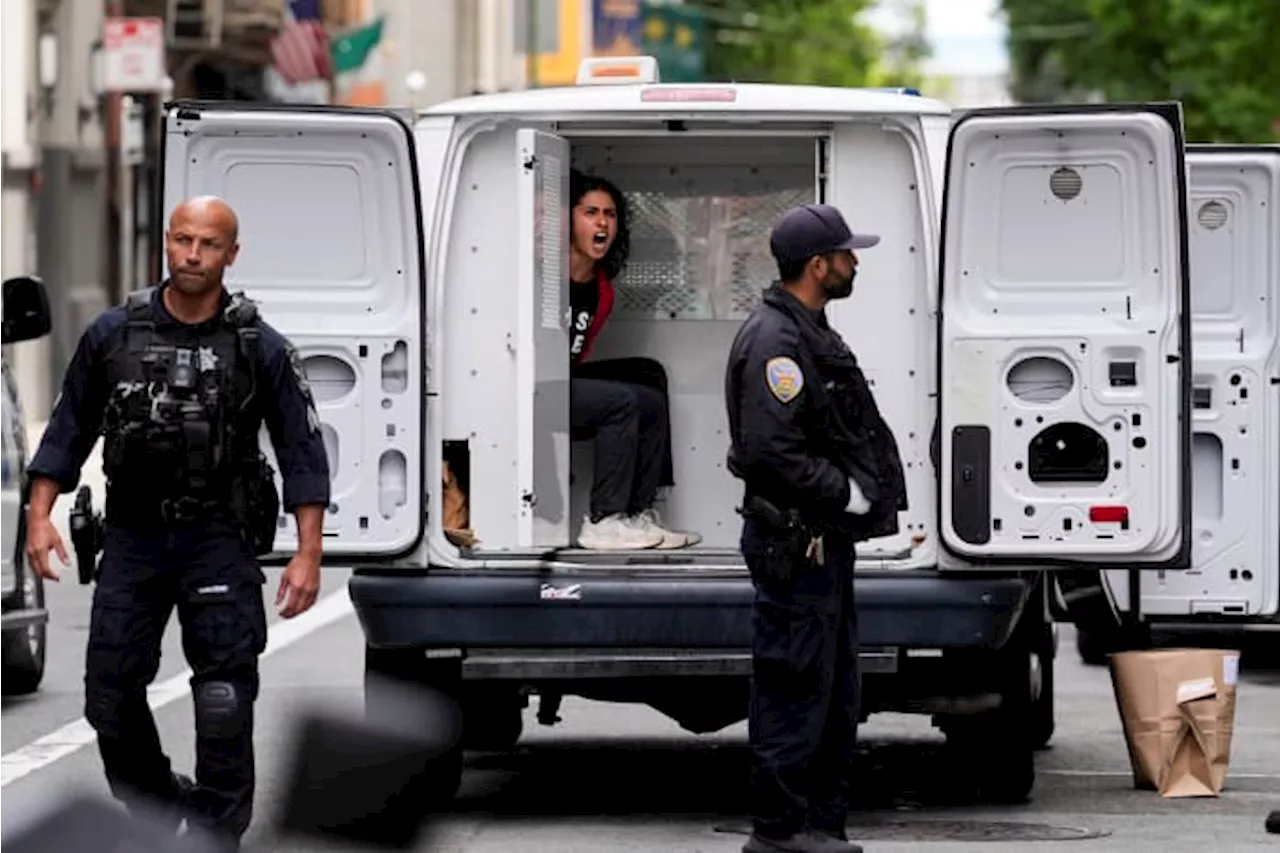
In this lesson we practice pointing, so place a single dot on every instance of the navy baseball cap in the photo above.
(814, 229)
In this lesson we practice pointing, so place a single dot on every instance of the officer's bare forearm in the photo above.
(310, 522)
(44, 492)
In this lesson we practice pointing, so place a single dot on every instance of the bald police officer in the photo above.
(178, 382)
(821, 472)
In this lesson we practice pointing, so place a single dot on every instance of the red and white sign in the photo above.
(133, 54)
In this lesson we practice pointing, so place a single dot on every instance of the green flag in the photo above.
(351, 51)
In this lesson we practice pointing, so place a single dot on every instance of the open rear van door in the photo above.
(1235, 298)
(542, 384)
(331, 249)
(1064, 338)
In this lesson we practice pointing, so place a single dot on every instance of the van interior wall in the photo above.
(700, 211)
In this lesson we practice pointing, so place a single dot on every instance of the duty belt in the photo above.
(179, 510)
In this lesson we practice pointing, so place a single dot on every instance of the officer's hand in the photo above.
(42, 537)
(299, 586)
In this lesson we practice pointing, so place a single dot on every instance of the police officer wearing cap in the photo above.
(821, 472)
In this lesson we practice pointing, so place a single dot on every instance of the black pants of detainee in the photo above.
(803, 713)
(213, 581)
(622, 404)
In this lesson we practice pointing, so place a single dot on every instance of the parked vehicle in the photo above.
(1232, 589)
(22, 643)
(1029, 301)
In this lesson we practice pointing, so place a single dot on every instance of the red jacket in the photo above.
(604, 305)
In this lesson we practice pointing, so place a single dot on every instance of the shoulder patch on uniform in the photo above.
(785, 378)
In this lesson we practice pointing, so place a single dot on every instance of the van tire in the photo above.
(1044, 708)
(996, 748)
(22, 651)
(386, 673)
(995, 752)
(1091, 647)
(492, 717)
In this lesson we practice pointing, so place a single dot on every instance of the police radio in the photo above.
(86, 535)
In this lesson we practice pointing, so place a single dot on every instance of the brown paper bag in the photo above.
(457, 512)
(1178, 709)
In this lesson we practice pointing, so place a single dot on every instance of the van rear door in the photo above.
(1064, 338)
(542, 348)
(331, 249)
(1235, 294)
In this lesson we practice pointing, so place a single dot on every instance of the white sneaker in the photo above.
(615, 533)
(650, 520)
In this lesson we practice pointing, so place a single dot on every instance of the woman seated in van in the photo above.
(621, 403)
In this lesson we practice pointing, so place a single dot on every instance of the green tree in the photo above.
(1215, 56)
(821, 42)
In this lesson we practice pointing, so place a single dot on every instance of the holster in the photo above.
(788, 526)
(257, 505)
(86, 535)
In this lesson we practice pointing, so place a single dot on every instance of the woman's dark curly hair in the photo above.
(579, 185)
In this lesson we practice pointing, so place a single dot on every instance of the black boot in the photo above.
(174, 810)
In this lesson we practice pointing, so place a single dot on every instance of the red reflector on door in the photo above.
(1108, 514)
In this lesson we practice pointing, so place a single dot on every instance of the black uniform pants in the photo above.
(215, 584)
(803, 713)
(631, 427)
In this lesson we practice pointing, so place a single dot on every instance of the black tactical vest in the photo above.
(177, 414)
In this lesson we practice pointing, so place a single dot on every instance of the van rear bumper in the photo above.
(449, 608)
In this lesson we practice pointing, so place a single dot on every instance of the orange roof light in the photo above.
(615, 70)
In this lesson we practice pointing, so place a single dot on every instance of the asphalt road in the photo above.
(617, 777)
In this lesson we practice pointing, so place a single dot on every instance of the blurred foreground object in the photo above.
(370, 779)
(85, 823)
(1273, 822)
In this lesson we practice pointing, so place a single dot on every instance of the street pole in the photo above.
(112, 254)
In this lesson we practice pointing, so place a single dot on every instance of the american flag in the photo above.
(300, 51)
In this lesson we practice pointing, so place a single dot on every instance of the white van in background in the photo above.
(1232, 589)
(1029, 297)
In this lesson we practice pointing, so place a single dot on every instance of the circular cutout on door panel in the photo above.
(1039, 379)
(1212, 215)
(330, 377)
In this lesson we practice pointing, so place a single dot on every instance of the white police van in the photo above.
(1029, 299)
(25, 619)
(1233, 586)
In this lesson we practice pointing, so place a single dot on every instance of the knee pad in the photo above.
(222, 709)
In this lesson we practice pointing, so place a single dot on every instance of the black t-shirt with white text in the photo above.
(584, 300)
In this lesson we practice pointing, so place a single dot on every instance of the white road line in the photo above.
(44, 751)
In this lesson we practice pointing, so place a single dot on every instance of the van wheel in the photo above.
(492, 717)
(398, 678)
(1043, 708)
(997, 747)
(22, 651)
(1091, 647)
(1004, 766)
